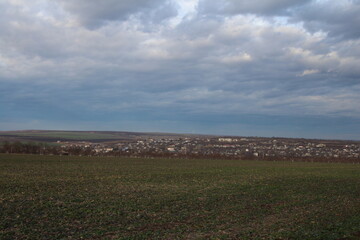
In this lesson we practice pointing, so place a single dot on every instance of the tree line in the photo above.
(28, 148)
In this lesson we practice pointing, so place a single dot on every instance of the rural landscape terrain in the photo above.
(110, 194)
(136, 144)
(179, 120)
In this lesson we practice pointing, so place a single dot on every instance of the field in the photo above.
(62, 197)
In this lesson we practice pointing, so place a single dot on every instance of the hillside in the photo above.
(90, 136)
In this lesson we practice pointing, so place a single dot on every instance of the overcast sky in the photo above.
(286, 68)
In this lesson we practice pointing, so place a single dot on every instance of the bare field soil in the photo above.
(63, 197)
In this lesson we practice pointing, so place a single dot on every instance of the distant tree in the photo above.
(7, 147)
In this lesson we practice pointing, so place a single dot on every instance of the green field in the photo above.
(61, 197)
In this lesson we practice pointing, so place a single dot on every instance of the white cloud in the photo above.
(309, 72)
(232, 59)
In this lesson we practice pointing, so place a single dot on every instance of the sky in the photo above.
(274, 68)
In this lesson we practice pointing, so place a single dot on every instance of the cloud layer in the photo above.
(184, 62)
(91, 14)
(234, 7)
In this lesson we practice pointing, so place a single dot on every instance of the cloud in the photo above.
(93, 14)
(339, 19)
(308, 72)
(127, 61)
(233, 7)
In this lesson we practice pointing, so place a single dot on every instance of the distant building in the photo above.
(225, 139)
(171, 149)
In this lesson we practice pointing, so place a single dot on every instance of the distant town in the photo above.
(250, 148)
(242, 148)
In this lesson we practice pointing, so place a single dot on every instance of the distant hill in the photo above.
(51, 136)
(89, 136)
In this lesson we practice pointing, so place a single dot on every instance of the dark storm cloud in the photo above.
(93, 13)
